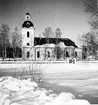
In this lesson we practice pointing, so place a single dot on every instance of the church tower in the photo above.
(27, 37)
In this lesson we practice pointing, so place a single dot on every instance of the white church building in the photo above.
(37, 48)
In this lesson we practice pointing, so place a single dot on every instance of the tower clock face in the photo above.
(28, 24)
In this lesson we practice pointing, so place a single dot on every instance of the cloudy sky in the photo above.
(68, 15)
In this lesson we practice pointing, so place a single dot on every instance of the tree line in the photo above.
(10, 42)
(90, 39)
(48, 33)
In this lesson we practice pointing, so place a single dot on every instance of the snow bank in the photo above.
(78, 102)
(24, 92)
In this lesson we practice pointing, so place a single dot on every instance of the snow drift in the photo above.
(24, 92)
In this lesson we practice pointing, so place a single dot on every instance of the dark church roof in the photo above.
(27, 24)
(41, 41)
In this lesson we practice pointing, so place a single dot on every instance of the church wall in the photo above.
(45, 53)
(30, 55)
(41, 54)
(79, 53)
(25, 39)
(69, 52)
(49, 53)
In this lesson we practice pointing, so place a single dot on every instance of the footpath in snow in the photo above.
(24, 92)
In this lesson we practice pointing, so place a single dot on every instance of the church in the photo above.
(37, 48)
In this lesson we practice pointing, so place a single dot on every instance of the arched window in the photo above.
(27, 18)
(48, 54)
(67, 54)
(75, 54)
(38, 54)
(28, 34)
(28, 54)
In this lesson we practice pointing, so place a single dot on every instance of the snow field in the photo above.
(24, 92)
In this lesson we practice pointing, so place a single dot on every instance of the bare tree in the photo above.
(48, 33)
(16, 41)
(90, 40)
(58, 34)
(4, 36)
(91, 6)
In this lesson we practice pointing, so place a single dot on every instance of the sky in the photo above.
(68, 15)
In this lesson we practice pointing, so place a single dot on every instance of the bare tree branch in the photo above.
(91, 6)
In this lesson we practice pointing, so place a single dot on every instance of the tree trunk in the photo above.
(14, 52)
(5, 52)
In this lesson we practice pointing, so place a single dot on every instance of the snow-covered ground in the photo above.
(24, 92)
(82, 77)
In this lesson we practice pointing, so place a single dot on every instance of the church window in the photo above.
(27, 18)
(28, 54)
(28, 44)
(38, 54)
(48, 54)
(75, 54)
(67, 54)
(28, 34)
